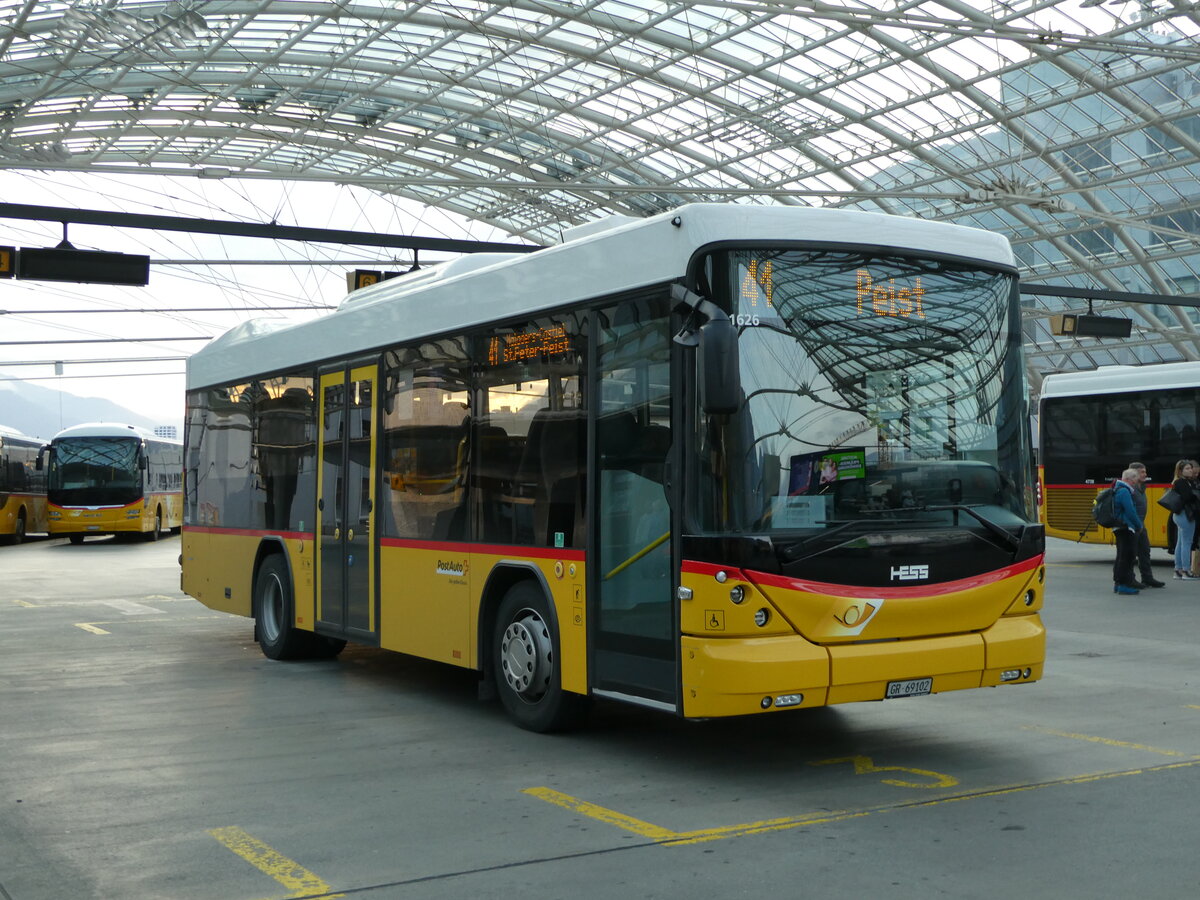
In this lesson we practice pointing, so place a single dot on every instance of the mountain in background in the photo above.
(43, 412)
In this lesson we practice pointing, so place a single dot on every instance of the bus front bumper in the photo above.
(742, 676)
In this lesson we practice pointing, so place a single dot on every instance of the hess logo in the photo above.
(910, 573)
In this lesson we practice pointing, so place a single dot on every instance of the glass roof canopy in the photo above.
(1073, 127)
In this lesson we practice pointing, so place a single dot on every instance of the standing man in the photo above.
(1143, 537)
(1125, 532)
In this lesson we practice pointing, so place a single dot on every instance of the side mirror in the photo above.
(143, 462)
(717, 362)
(716, 343)
(41, 460)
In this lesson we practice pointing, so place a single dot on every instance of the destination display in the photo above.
(531, 344)
(888, 298)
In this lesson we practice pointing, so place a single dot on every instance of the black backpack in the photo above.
(1103, 508)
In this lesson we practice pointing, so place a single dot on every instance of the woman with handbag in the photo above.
(1181, 499)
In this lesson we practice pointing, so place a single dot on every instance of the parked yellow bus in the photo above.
(1094, 423)
(723, 461)
(22, 487)
(107, 479)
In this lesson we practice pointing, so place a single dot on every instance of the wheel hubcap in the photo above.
(271, 608)
(526, 655)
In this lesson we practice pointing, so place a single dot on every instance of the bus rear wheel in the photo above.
(525, 656)
(75, 538)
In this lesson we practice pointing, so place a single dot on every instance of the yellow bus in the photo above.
(22, 487)
(1094, 423)
(115, 479)
(722, 461)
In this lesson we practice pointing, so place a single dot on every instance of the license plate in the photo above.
(914, 687)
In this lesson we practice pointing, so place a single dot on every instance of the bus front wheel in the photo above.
(157, 532)
(274, 612)
(525, 654)
(18, 533)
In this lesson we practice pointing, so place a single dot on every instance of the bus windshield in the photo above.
(95, 471)
(882, 389)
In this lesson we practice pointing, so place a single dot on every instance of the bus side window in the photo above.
(553, 464)
(426, 445)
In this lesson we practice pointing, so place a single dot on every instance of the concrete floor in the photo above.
(149, 750)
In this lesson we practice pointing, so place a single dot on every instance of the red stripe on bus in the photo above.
(101, 506)
(249, 532)
(444, 546)
(842, 590)
(490, 549)
(142, 502)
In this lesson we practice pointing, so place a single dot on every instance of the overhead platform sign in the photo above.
(1081, 325)
(361, 278)
(81, 266)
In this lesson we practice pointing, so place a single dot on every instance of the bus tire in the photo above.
(157, 532)
(75, 538)
(274, 612)
(18, 534)
(525, 657)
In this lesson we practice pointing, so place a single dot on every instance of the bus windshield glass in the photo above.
(882, 389)
(95, 471)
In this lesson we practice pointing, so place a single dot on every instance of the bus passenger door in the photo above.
(345, 505)
(634, 624)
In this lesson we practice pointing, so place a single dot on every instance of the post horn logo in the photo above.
(857, 614)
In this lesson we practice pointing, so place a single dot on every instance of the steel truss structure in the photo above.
(1070, 125)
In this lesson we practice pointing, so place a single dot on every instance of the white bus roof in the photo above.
(13, 434)
(1121, 379)
(110, 429)
(626, 255)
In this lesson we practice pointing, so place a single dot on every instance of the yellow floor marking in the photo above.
(174, 620)
(863, 765)
(1109, 742)
(677, 838)
(26, 604)
(289, 873)
(1190, 706)
(665, 835)
(592, 811)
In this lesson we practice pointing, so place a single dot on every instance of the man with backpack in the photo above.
(1143, 537)
(1125, 532)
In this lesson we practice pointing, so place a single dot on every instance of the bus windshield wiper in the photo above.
(999, 531)
(795, 551)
